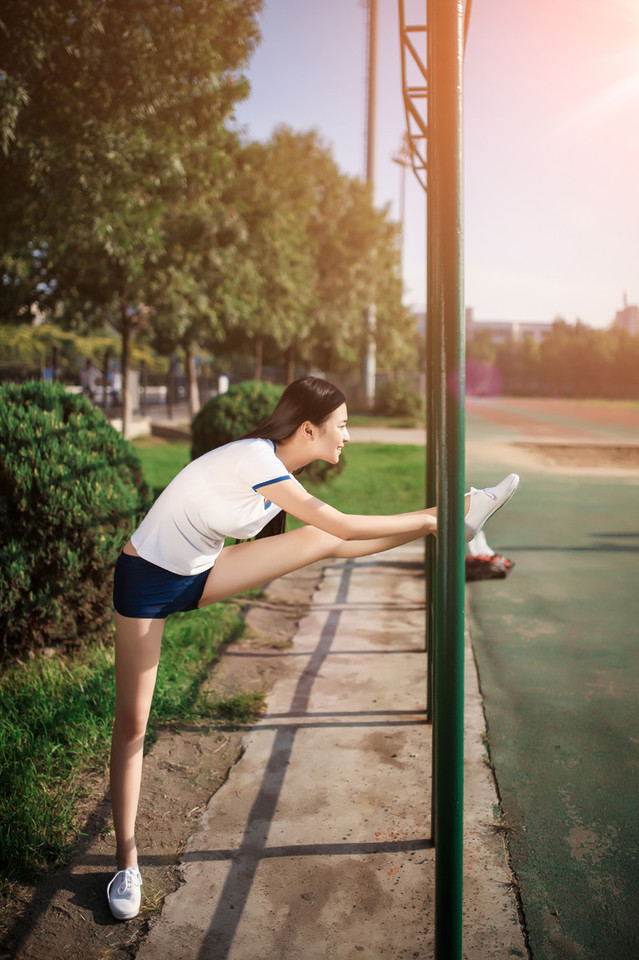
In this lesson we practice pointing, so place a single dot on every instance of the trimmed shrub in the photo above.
(230, 415)
(400, 398)
(321, 472)
(71, 491)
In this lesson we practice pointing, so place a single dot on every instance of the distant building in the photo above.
(502, 330)
(628, 318)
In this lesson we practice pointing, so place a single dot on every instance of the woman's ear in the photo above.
(308, 430)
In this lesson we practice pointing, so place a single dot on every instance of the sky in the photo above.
(551, 141)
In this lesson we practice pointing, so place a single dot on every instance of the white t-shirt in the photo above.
(221, 494)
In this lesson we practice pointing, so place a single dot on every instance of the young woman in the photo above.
(176, 560)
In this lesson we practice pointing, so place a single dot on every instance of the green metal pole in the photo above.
(433, 642)
(445, 58)
(432, 445)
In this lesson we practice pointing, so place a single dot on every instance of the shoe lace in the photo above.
(129, 879)
(489, 493)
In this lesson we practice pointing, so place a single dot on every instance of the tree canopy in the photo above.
(128, 198)
(317, 251)
(112, 115)
(572, 360)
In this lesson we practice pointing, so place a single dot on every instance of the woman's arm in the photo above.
(290, 496)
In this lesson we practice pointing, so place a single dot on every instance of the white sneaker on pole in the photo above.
(484, 503)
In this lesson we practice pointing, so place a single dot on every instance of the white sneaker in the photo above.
(484, 503)
(124, 893)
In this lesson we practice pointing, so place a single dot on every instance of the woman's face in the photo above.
(332, 435)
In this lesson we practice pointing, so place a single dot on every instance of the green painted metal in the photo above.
(445, 261)
(433, 388)
(433, 107)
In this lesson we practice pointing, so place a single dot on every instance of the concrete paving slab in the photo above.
(318, 845)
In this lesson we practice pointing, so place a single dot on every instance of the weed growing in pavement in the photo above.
(238, 709)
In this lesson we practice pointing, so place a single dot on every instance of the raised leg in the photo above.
(137, 652)
(245, 565)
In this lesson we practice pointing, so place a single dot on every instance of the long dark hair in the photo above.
(309, 398)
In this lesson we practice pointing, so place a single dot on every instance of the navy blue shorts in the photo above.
(142, 589)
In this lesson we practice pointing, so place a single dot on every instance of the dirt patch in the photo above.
(610, 413)
(516, 419)
(66, 917)
(525, 411)
(584, 455)
(553, 421)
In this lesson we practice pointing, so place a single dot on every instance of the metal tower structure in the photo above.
(415, 89)
(414, 57)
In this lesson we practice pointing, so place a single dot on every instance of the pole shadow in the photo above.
(245, 860)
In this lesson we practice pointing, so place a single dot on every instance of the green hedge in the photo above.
(71, 491)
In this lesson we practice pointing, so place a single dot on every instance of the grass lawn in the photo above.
(161, 459)
(56, 713)
(56, 716)
(377, 478)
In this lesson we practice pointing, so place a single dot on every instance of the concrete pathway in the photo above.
(318, 846)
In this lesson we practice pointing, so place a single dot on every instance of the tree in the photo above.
(357, 257)
(111, 114)
(275, 197)
(197, 285)
(316, 252)
(622, 380)
(519, 363)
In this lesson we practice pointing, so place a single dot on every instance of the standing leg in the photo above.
(137, 652)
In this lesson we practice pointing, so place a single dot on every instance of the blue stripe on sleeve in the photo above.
(265, 483)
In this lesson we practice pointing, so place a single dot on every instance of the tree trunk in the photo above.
(328, 360)
(170, 388)
(105, 380)
(127, 412)
(259, 352)
(193, 392)
(290, 363)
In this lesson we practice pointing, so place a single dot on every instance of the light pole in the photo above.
(402, 157)
(370, 322)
